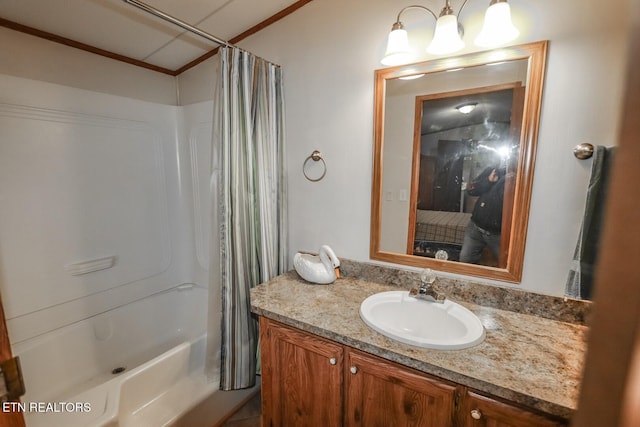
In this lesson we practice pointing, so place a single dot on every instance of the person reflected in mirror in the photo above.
(484, 227)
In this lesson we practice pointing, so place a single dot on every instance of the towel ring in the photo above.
(583, 151)
(315, 156)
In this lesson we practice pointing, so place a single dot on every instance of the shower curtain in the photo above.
(249, 186)
(580, 279)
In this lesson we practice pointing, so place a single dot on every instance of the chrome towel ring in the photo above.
(316, 156)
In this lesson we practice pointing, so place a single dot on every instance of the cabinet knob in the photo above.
(333, 361)
(353, 370)
(476, 414)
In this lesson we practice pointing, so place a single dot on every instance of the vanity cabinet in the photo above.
(379, 393)
(482, 411)
(308, 380)
(301, 378)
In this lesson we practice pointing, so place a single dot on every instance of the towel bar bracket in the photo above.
(583, 151)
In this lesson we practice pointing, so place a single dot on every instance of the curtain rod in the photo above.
(176, 21)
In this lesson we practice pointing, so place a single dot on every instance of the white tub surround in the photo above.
(127, 367)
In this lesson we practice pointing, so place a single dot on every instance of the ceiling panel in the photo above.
(101, 23)
(120, 28)
(180, 51)
(226, 22)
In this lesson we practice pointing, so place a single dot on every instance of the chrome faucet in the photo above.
(427, 291)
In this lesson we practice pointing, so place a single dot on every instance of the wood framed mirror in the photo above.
(445, 132)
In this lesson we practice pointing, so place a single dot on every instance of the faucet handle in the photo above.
(427, 276)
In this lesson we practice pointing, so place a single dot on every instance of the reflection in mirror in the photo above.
(465, 149)
(453, 161)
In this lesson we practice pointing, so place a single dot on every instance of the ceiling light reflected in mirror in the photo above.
(467, 108)
(413, 77)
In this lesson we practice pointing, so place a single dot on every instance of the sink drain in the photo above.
(118, 370)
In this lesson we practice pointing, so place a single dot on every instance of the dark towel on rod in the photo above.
(580, 279)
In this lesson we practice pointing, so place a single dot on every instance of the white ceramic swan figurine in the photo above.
(322, 268)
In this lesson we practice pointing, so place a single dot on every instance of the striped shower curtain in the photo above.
(251, 194)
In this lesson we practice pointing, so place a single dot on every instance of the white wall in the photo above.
(196, 137)
(38, 59)
(95, 160)
(329, 50)
(86, 175)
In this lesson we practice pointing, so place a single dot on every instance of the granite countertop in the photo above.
(524, 358)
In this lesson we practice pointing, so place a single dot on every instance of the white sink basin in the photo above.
(447, 326)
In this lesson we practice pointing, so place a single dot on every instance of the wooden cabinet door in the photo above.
(481, 411)
(380, 393)
(301, 378)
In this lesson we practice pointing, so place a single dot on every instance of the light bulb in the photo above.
(467, 108)
(398, 50)
(446, 38)
(497, 28)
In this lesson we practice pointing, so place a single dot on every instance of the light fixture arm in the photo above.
(464, 3)
(446, 10)
(415, 6)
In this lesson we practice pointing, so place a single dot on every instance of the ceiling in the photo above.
(117, 29)
(441, 114)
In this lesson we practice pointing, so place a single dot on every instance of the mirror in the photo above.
(454, 150)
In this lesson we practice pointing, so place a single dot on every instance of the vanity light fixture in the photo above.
(447, 37)
(467, 108)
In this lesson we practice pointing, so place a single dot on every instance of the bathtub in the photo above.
(141, 364)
